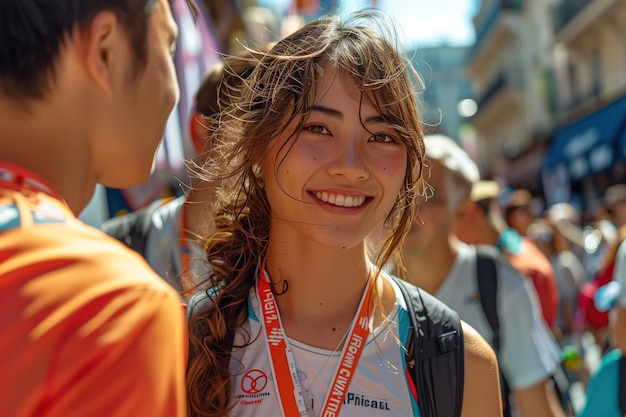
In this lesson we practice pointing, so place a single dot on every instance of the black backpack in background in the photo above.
(487, 276)
(132, 228)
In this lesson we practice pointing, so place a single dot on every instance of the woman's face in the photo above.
(343, 173)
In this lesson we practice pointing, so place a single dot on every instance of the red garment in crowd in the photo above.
(531, 262)
(592, 316)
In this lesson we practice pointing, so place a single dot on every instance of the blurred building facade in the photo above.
(446, 87)
(550, 81)
(511, 70)
(587, 151)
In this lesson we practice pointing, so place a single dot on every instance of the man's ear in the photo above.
(103, 39)
(465, 210)
(199, 127)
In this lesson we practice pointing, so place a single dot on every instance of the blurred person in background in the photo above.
(166, 232)
(587, 243)
(615, 197)
(597, 236)
(486, 225)
(88, 329)
(568, 270)
(569, 273)
(518, 209)
(438, 261)
(606, 392)
(597, 321)
(566, 219)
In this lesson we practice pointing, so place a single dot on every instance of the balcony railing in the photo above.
(484, 26)
(580, 98)
(501, 82)
(568, 10)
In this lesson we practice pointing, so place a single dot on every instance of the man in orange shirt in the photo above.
(87, 329)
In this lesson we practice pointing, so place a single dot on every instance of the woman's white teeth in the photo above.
(340, 200)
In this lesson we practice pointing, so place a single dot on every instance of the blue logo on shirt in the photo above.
(9, 217)
(48, 213)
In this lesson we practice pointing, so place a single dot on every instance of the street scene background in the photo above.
(534, 90)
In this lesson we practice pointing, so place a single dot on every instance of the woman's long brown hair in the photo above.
(278, 92)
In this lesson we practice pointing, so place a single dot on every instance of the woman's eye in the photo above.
(383, 138)
(317, 129)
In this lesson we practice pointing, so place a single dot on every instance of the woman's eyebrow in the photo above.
(327, 110)
(339, 115)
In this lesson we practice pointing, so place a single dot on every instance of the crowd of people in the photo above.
(277, 284)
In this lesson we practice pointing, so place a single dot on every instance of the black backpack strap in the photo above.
(622, 383)
(487, 280)
(132, 228)
(438, 353)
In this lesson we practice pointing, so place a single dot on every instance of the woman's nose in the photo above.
(350, 161)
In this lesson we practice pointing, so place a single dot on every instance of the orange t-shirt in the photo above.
(86, 329)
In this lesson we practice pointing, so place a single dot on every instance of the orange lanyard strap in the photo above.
(283, 363)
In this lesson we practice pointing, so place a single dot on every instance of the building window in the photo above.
(572, 76)
(596, 62)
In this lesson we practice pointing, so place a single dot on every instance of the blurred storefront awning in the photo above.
(524, 171)
(621, 145)
(588, 146)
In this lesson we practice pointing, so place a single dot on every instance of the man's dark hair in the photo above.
(223, 81)
(32, 33)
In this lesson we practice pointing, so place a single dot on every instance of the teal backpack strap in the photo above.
(436, 343)
(622, 383)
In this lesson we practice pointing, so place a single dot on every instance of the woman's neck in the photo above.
(318, 292)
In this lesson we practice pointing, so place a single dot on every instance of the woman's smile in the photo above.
(340, 200)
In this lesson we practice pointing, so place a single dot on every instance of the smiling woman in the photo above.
(324, 146)
(345, 152)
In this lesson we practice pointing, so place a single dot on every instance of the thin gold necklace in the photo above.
(307, 390)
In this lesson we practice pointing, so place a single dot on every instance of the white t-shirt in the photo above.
(528, 351)
(379, 387)
(569, 273)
